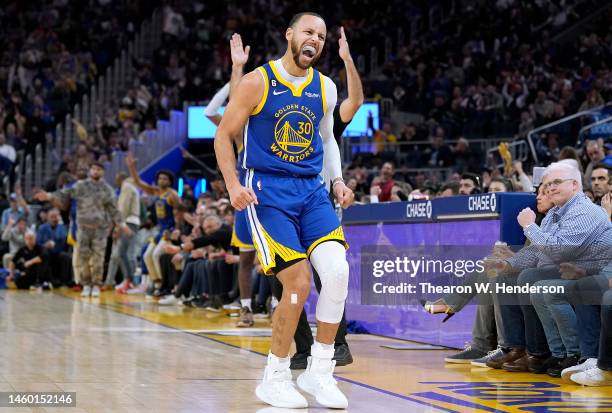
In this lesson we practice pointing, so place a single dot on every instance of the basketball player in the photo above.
(166, 200)
(240, 236)
(286, 109)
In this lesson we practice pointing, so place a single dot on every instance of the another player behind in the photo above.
(240, 236)
(287, 109)
(166, 199)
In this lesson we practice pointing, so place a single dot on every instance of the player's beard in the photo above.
(297, 51)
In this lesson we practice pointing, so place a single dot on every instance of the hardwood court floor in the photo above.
(126, 354)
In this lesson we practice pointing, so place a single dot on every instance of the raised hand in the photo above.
(526, 217)
(344, 51)
(239, 54)
(130, 161)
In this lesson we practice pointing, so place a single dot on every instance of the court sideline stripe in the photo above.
(367, 386)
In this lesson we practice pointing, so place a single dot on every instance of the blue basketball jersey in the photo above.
(164, 212)
(282, 134)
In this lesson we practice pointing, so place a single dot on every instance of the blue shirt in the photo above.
(282, 134)
(9, 212)
(57, 234)
(579, 231)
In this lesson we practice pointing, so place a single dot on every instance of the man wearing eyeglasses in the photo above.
(574, 231)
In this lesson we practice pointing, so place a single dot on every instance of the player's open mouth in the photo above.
(309, 51)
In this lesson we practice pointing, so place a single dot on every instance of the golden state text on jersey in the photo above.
(282, 134)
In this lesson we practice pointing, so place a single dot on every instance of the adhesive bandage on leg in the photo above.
(329, 260)
(294, 298)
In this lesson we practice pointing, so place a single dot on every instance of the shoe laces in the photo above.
(324, 377)
(467, 347)
(492, 352)
(282, 380)
(590, 365)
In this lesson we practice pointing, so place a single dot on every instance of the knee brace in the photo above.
(329, 260)
(334, 289)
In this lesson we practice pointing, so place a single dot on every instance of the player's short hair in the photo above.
(168, 174)
(296, 18)
(98, 164)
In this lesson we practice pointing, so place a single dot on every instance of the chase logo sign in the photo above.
(482, 203)
(419, 210)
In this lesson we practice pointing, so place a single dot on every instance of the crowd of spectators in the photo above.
(503, 79)
(50, 54)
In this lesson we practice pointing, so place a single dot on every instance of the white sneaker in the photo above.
(169, 300)
(319, 382)
(139, 289)
(566, 374)
(86, 291)
(232, 306)
(277, 389)
(95, 291)
(593, 377)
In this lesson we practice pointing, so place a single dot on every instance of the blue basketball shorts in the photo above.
(293, 216)
(241, 236)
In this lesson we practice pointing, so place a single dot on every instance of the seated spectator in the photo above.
(599, 182)
(220, 274)
(26, 267)
(597, 371)
(596, 154)
(449, 189)
(440, 153)
(574, 230)
(500, 185)
(382, 184)
(52, 238)
(17, 209)
(470, 184)
(571, 318)
(14, 234)
(400, 191)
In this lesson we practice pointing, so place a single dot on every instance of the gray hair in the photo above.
(567, 169)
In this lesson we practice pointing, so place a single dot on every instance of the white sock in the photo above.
(246, 302)
(322, 350)
(278, 363)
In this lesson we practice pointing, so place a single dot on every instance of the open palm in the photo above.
(344, 50)
(240, 55)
